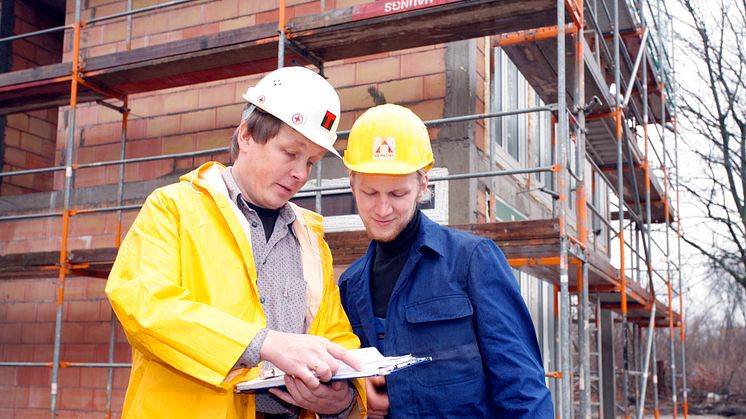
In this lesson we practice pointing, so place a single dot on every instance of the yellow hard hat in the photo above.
(390, 140)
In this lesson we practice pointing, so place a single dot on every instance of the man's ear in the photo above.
(352, 181)
(243, 136)
(422, 187)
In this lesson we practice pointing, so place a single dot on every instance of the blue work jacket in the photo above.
(457, 301)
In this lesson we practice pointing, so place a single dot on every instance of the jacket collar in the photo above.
(208, 177)
(430, 238)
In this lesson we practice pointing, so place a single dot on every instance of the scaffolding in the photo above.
(567, 40)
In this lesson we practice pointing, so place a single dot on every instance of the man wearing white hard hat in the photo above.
(220, 279)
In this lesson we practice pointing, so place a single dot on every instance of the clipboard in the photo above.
(373, 364)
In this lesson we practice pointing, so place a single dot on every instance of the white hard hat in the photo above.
(303, 100)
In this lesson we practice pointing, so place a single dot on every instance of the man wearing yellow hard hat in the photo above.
(221, 279)
(432, 291)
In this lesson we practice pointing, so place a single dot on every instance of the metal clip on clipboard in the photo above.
(386, 370)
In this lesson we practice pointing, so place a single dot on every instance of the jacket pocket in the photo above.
(439, 309)
(442, 328)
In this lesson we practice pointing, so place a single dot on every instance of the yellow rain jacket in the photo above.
(184, 288)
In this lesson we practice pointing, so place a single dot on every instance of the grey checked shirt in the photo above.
(282, 289)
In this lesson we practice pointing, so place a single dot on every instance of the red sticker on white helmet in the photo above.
(261, 99)
(297, 119)
(328, 121)
(384, 148)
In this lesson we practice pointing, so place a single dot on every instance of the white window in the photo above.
(542, 143)
(509, 93)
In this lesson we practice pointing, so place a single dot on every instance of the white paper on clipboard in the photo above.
(373, 363)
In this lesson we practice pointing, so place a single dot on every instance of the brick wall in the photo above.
(29, 137)
(27, 325)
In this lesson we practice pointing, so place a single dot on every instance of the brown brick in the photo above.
(213, 139)
(422, 63)
(69, 377)
(367, 58)
(219, 10)
(113, 32)
(12, 137)
(181, 101)
(82, 311)
(98, 332)
(266, 17)
(41, 128)
(378, 70)
(38, 333)
(429, 109)
(8, 376)
(340, 75)
(178, 144)
(85, 352)
(105, 49)
(18, 120)
(185, 17)
(75, 288)
(165, 125)
(21, 312)
(11, 332)
(251, 7)
(39, 397)
(34, 376)
(304, 9)
(434, 86)
(162, 38)
(38, 290)
(198, 121)
(228, 116)
(214, 96)
(200, 30)
(148, 106)
(95, 377)
(15, 157)
(149, 24)
(101, 134)
(76, 398)
(144, 148)
(14, 397)
(18, 352)
(237, 23)
(47, 311)
(356, 97)
(72, 332)
(155, 169)
(26, 181)
(95, 286)
(402, 91)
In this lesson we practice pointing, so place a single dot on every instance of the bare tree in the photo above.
(712, 103)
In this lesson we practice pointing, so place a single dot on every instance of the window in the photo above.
(542, 143)
(509, 93)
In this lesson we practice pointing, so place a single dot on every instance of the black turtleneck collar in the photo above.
(404, 240)
(388, 261)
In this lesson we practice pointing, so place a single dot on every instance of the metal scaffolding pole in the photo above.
(682, 331)
(584, 384)
(563, 190)
(620, 193)
(650, 347)
(666, 196)
(66, 209)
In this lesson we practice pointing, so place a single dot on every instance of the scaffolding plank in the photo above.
(336, 34)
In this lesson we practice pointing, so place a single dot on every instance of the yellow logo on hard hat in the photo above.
(384, 148)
